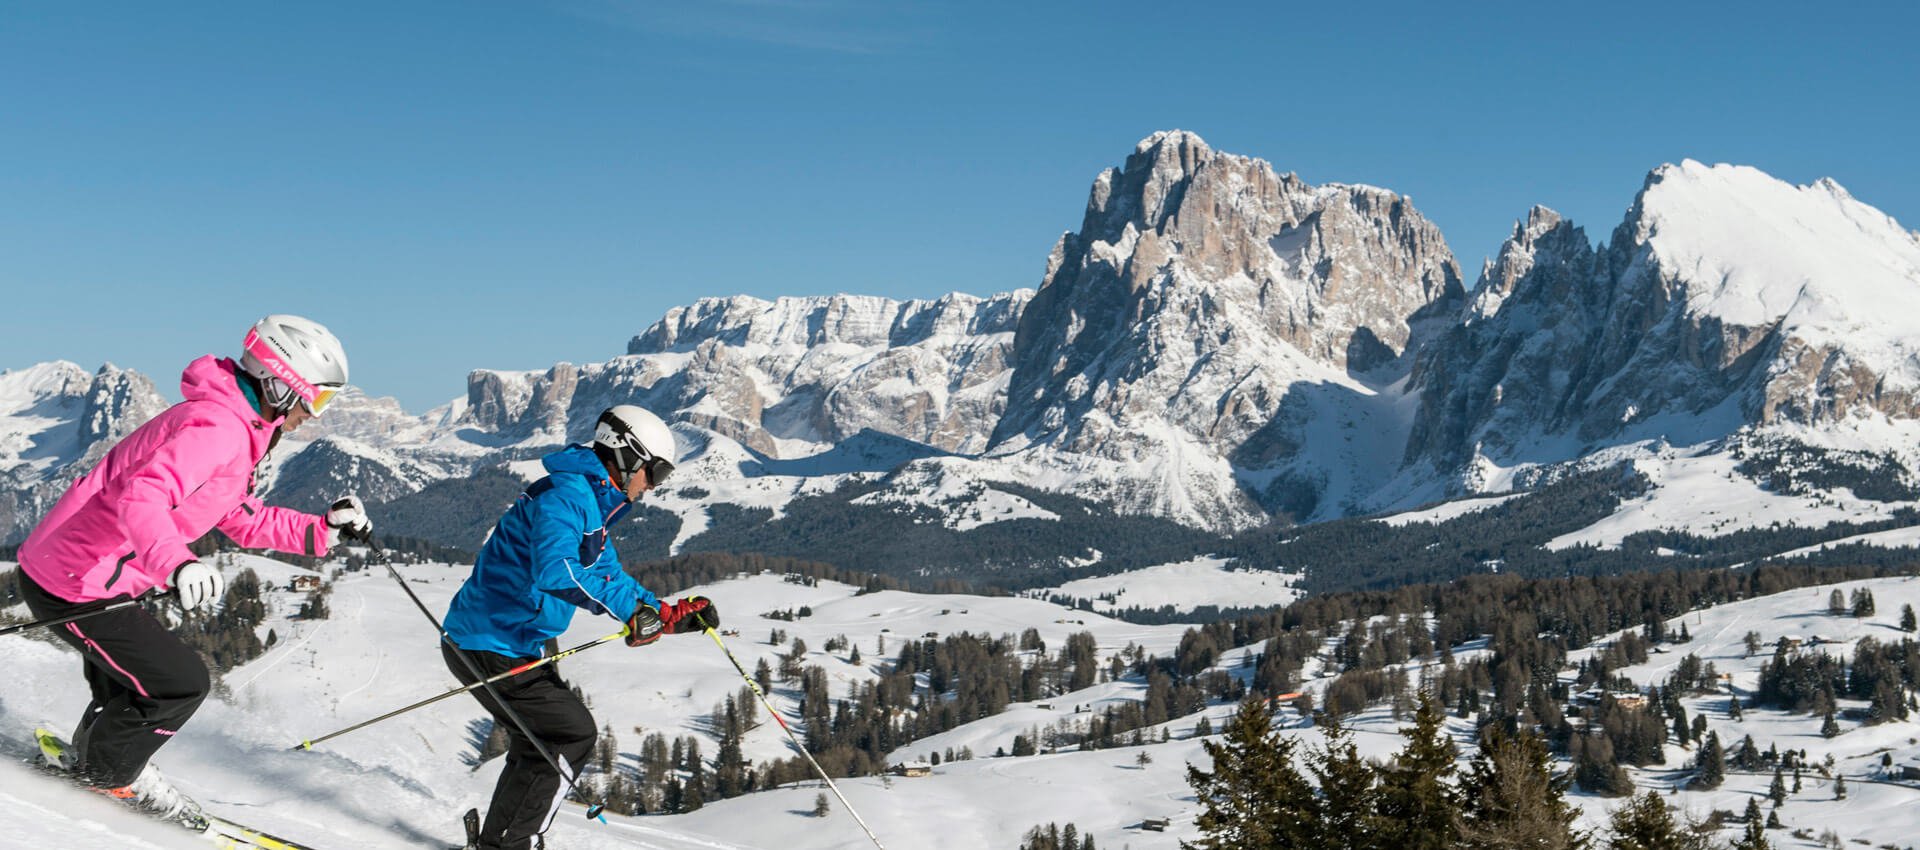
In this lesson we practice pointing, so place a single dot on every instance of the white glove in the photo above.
(348, 518)
(198, 585)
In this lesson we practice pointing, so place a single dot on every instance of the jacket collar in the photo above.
(579, 459)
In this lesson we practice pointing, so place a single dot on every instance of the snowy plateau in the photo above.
(402, 784)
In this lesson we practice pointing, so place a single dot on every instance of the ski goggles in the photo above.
(282, 397)
(632, 460)
(657, 470)
(320, 400)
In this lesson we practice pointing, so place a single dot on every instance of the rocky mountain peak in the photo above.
(858, 320)
(523, 404)
(1726, 298)
(1147, 190)
(1201, 287)
(1542, 240)
(117, 401)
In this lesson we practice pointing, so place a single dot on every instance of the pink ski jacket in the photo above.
(123, 528)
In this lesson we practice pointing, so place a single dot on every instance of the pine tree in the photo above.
(1349, 793)
(820, 805)
(1416, 803)
(1829, 728)
(1647, 824)
(1907, 621)
(1839, 788)
(1254, 798)
(1863, 603)
(1511, 800)
(1733, 707)
(1755, 835)
(1596, 768)
(1710, 766)
(1777, 791)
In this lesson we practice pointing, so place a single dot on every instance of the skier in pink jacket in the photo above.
(122, 530)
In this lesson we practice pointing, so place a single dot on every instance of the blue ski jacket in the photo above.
(545, 557)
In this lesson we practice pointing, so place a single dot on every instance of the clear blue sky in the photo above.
(508, 184)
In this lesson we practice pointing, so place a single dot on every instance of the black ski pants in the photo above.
(529, 792)
(145, 682)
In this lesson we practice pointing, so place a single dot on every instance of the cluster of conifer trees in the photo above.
(1263, 790)
(1053, 836)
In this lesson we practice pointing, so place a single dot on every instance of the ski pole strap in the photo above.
(81, 615)
(539, 662)
(794, 740)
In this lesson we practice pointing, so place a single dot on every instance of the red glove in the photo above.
(693, 614)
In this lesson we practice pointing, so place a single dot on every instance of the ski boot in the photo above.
(153, 794)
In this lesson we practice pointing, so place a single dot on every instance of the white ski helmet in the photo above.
(630, 439)
(294, 359)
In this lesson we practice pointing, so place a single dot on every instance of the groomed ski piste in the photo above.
(404, 783)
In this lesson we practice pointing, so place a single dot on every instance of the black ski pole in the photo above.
(594, 810)
(61, 621)
(542, 662)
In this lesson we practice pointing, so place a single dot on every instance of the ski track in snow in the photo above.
(282, 656)
(380, 655)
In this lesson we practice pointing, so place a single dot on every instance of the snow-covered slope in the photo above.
(1759, 252)
(402, 784)
(1183, 586)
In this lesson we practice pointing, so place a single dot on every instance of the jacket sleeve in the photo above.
(574, 562)
(186, 460)
(256, 525)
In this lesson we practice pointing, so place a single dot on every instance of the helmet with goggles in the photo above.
(295, 360)
(630, 439)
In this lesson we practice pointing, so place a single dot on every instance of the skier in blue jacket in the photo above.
(547, 556)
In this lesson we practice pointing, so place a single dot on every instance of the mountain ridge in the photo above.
(1219, 344)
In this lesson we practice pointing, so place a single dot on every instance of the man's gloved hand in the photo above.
(198, 585)
(347, 520)
(645, 626)
(692, 614)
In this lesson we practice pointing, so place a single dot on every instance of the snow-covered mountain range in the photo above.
(1218, 344)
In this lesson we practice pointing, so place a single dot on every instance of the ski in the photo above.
(220, 831)
(226, 833)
